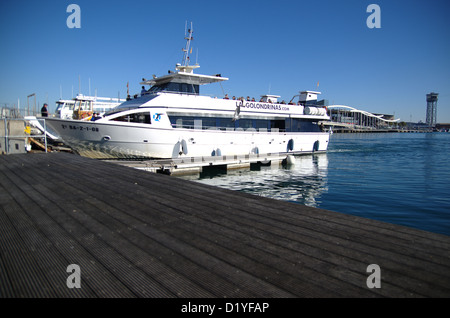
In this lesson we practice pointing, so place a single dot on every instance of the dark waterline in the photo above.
(400, 178)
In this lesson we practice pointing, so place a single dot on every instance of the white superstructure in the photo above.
(83, 106)
(172, 120)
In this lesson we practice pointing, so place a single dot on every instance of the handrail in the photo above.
(7, 136)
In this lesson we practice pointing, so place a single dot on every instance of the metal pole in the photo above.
(6, 137)
(45, 136)
(28, 103)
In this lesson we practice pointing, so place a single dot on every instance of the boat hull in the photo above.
(110, 140)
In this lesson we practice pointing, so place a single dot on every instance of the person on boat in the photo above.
(143, 91)
(95, 116)
(44, 111)
(226, 96)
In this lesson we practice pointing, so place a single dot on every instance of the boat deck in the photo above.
(140, 234)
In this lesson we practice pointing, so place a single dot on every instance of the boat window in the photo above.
(299, 125)
(190, 122)
(310, 126)
(209, 123)
(182, 122)
(139, 118)
(84, 105)
(226, 123)
(261, 124)
(279, 124)
(175, 87)
(245, 123)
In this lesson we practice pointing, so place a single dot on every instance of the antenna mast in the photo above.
(188, 37)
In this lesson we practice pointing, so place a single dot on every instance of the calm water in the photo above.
(396, 178)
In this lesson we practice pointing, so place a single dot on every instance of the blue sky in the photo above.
(281, 47)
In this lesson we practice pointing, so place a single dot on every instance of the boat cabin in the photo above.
(270, 98)
(64, 108)
(77, 108)
(308, 98)
(183, 80)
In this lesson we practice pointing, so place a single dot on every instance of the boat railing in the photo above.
(16, 135)
(17, 112)
(163, 91)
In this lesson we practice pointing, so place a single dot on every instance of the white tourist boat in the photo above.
(172, 120)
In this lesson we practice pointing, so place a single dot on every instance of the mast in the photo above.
(184, 66)
(185, 63)
(188, 37)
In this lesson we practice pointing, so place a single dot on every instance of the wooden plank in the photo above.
(39, 144)
(362, 249)
(94, 196)
(64, 242)
(150, 199)
(140, 234)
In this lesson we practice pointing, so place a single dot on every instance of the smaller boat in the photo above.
(82, 107)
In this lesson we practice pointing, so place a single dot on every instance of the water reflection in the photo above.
(303, 182)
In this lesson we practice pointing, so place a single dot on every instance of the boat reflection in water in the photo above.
(303, 182)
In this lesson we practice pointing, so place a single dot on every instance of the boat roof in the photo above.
(310, 92)
(95, 99)
(185, 74)
(65, 101)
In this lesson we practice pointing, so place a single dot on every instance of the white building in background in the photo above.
(360, 118)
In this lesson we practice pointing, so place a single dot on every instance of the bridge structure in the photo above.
(348, 118)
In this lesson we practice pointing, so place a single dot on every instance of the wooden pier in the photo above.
(140, 234)
(196, 165)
